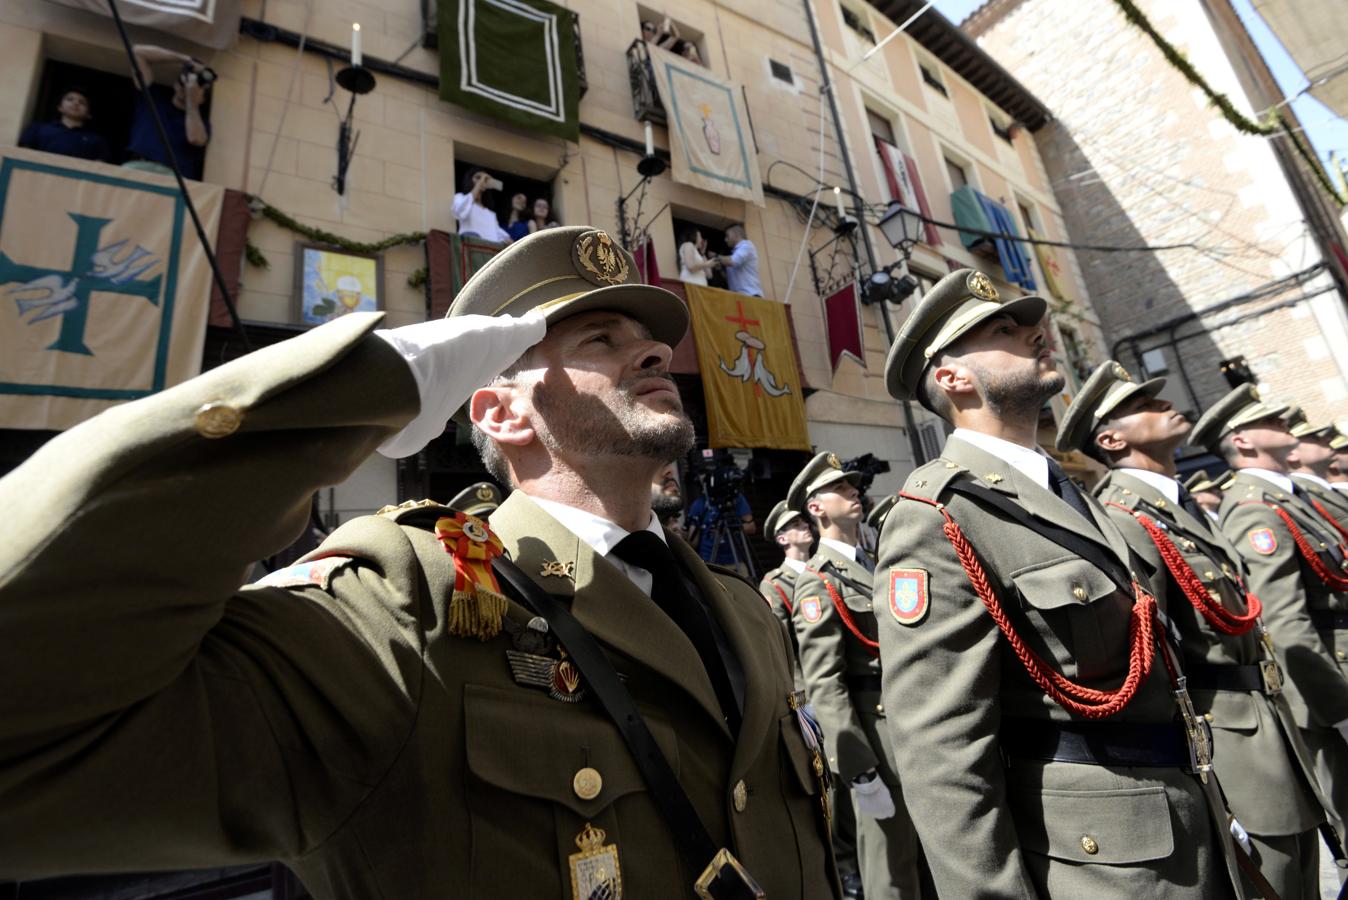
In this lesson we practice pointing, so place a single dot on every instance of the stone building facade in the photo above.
(1137, 155)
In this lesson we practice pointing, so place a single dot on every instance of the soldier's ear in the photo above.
(498, 412)
(1109, 439)
(953, 378)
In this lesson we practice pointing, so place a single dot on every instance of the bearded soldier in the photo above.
(1043, 746)
(1266, 770)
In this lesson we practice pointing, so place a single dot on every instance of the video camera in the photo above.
(721, 479)
(205, 75)
(868, 466)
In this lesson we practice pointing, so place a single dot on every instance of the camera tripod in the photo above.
(728, 531)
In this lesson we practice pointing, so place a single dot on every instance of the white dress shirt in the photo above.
(1315, 478)
(794, 565)
(1339, 486)
(1279, 480)
(1168, 486)
(1029, 461)
(603, 535)
(847, 550)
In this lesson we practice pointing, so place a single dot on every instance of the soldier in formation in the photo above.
(1201, 582)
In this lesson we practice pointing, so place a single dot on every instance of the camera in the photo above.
(205, 75)
(868, 466)
(721, 479)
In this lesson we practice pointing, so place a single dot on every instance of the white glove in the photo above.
(451, 358)
(1241, 836)
(872, 798)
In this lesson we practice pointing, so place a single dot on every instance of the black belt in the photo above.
(1226, 678)
(1096, 743)
(1328, 618)
(863, 682)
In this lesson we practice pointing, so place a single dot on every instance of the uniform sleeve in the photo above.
(1276, 579)
(823, 663)
(942, 684)
(153, 713)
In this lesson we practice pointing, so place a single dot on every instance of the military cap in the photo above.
(820, 472)
(1199, 482)
(1241, 406)
(1339, 441)
(779, 518)
(566, 271)
(876, 517)
(1105, 391)
(479, 499)
(955, 305)
(1301, 428)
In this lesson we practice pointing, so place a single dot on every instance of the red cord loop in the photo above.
(872, 647)
(1089, 703)
(1216, 615)
(1343, 532)
(1333, 581)
(781, 593)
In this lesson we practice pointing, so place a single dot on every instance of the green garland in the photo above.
(1275, 122)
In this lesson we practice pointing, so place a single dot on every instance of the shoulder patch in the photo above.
(317, 572)
(1263, 541)
(811, 610)
(908, 595)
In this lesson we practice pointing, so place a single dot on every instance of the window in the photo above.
(880, 127)
(931, 434)
(958, 177)
(500, 202)
(853, 20)
(1002, 131)
(887, 156)
(932, 80)
(781, 72)
(1027, 215)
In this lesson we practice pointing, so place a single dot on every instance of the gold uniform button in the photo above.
(1339, 654)
(1089, 845)
(1208, 716)
(1079, 592)
(588, 783)
(741, 796)
(880, 708)
(1209, 575)
(217, 420)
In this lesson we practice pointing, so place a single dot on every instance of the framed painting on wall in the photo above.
(331, 283)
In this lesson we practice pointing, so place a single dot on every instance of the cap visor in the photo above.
(1023, 310)
(659, 310)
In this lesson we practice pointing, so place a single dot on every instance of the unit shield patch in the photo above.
(908, 598)
(316, 572)
(1263, 541)
(811, 610)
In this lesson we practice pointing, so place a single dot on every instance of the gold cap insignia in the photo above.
(1121, 373)
(484, 493)
(599, 259)
(981, 286)
(833, 461)
(1254, 394)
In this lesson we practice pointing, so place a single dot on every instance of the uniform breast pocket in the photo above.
(538, 772)
(1078, 612)
(1111, 827)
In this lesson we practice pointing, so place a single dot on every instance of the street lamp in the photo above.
(902, 228)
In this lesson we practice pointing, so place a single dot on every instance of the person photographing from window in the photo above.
(180, 110)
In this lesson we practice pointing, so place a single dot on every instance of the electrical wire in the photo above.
(290, 89)
(814, 205)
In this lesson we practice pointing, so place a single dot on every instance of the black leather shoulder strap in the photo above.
(690, 835)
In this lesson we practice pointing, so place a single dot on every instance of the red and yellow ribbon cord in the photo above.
(477, 605)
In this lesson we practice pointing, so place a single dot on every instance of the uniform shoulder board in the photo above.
(930, 479)
(420, 513)
(718, 569)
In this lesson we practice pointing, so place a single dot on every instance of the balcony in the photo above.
(646, 103)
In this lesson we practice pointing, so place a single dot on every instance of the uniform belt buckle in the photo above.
(732, 881)
(1272, 675)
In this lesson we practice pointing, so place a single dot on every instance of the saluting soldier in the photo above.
(1266, 770)
(1310, 470)
(1041, 749)
(480, 499)
(840, 661)
(380, 718)
(1296, 571)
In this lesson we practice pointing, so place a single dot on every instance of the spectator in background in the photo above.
(180, 111)
(68, 135)
(693, 265)
(475, 218)
(542, 216)
(741, 266)
(517, 225)
(667, 499)
(700, 524)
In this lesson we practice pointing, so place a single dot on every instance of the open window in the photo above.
(513, 184)
(664, 31)
(686, 228)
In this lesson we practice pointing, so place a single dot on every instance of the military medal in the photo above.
(559, 677)
(476, 606)
(594, 870)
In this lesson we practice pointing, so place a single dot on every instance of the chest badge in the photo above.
(559, 677)
(594, 870)
(555, 569)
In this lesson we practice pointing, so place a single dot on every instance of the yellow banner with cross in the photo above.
(748, 369)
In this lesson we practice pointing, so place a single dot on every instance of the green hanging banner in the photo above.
(514, 60)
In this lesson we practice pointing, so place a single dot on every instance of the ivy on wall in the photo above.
(1273, 123)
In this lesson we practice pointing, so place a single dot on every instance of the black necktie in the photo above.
(671, 593)
(1191, 506)
(1326, 535)
(865, 561)
(1066, 489)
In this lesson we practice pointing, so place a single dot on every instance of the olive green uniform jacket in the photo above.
(1265, 769)
(155, 714)
(995, 826)
(1333, 502)
(778, 587)
(1313, 656)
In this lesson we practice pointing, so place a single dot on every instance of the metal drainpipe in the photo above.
(910, 424)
